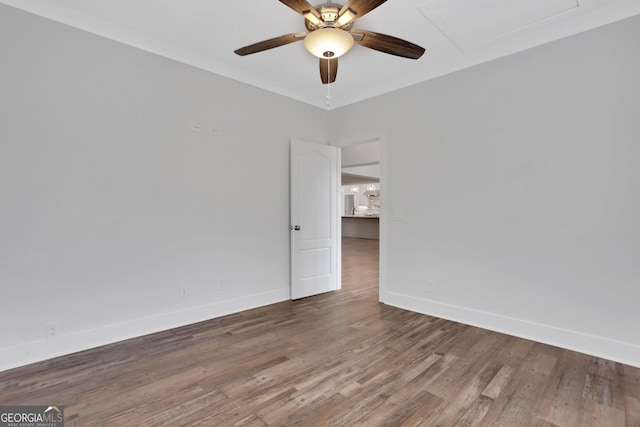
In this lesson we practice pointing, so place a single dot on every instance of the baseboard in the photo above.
(605, 348)
(37, 351)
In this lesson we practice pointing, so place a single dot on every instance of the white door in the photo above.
(314, 219)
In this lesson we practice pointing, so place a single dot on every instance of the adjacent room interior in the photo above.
(360, 212)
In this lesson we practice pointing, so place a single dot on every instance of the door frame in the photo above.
(380, 136)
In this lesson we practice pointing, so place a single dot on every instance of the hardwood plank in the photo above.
(561, 403)
(337, 359)
(524, 394)
(430, 409)
(593, 414)
(475, 413)
(632, 412)
(498, 382)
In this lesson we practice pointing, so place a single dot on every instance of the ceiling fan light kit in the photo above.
(330, 34)
(328, 42)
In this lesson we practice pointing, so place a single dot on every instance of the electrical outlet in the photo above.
(196, 127)
(183, 290)
(221, 285)
(430, 286)
(52, 330)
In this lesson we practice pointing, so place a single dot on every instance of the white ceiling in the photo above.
(456, 34)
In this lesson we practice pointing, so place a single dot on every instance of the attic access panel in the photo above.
(473, 24)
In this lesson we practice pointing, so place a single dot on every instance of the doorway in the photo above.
(360, 211)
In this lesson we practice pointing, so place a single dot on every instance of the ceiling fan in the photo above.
(331, 35)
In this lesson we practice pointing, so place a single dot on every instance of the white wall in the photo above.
(367, 153)
(528, 173)
(109, 201)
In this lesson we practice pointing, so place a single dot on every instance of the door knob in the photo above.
(296, 227)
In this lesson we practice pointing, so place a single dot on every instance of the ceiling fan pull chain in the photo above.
(329, 97)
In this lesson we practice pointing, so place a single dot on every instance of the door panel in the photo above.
(314, 197)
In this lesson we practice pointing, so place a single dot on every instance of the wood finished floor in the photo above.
(338, 359)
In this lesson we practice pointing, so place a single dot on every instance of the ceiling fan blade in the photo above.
(328, 70)
(388, 44)
(303, 7)
(269, 44)
(358, 9)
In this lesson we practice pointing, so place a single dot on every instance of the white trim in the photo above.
(37, 351)
(594, 345)
(338, 216)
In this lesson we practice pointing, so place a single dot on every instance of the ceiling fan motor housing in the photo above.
(329, 15)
